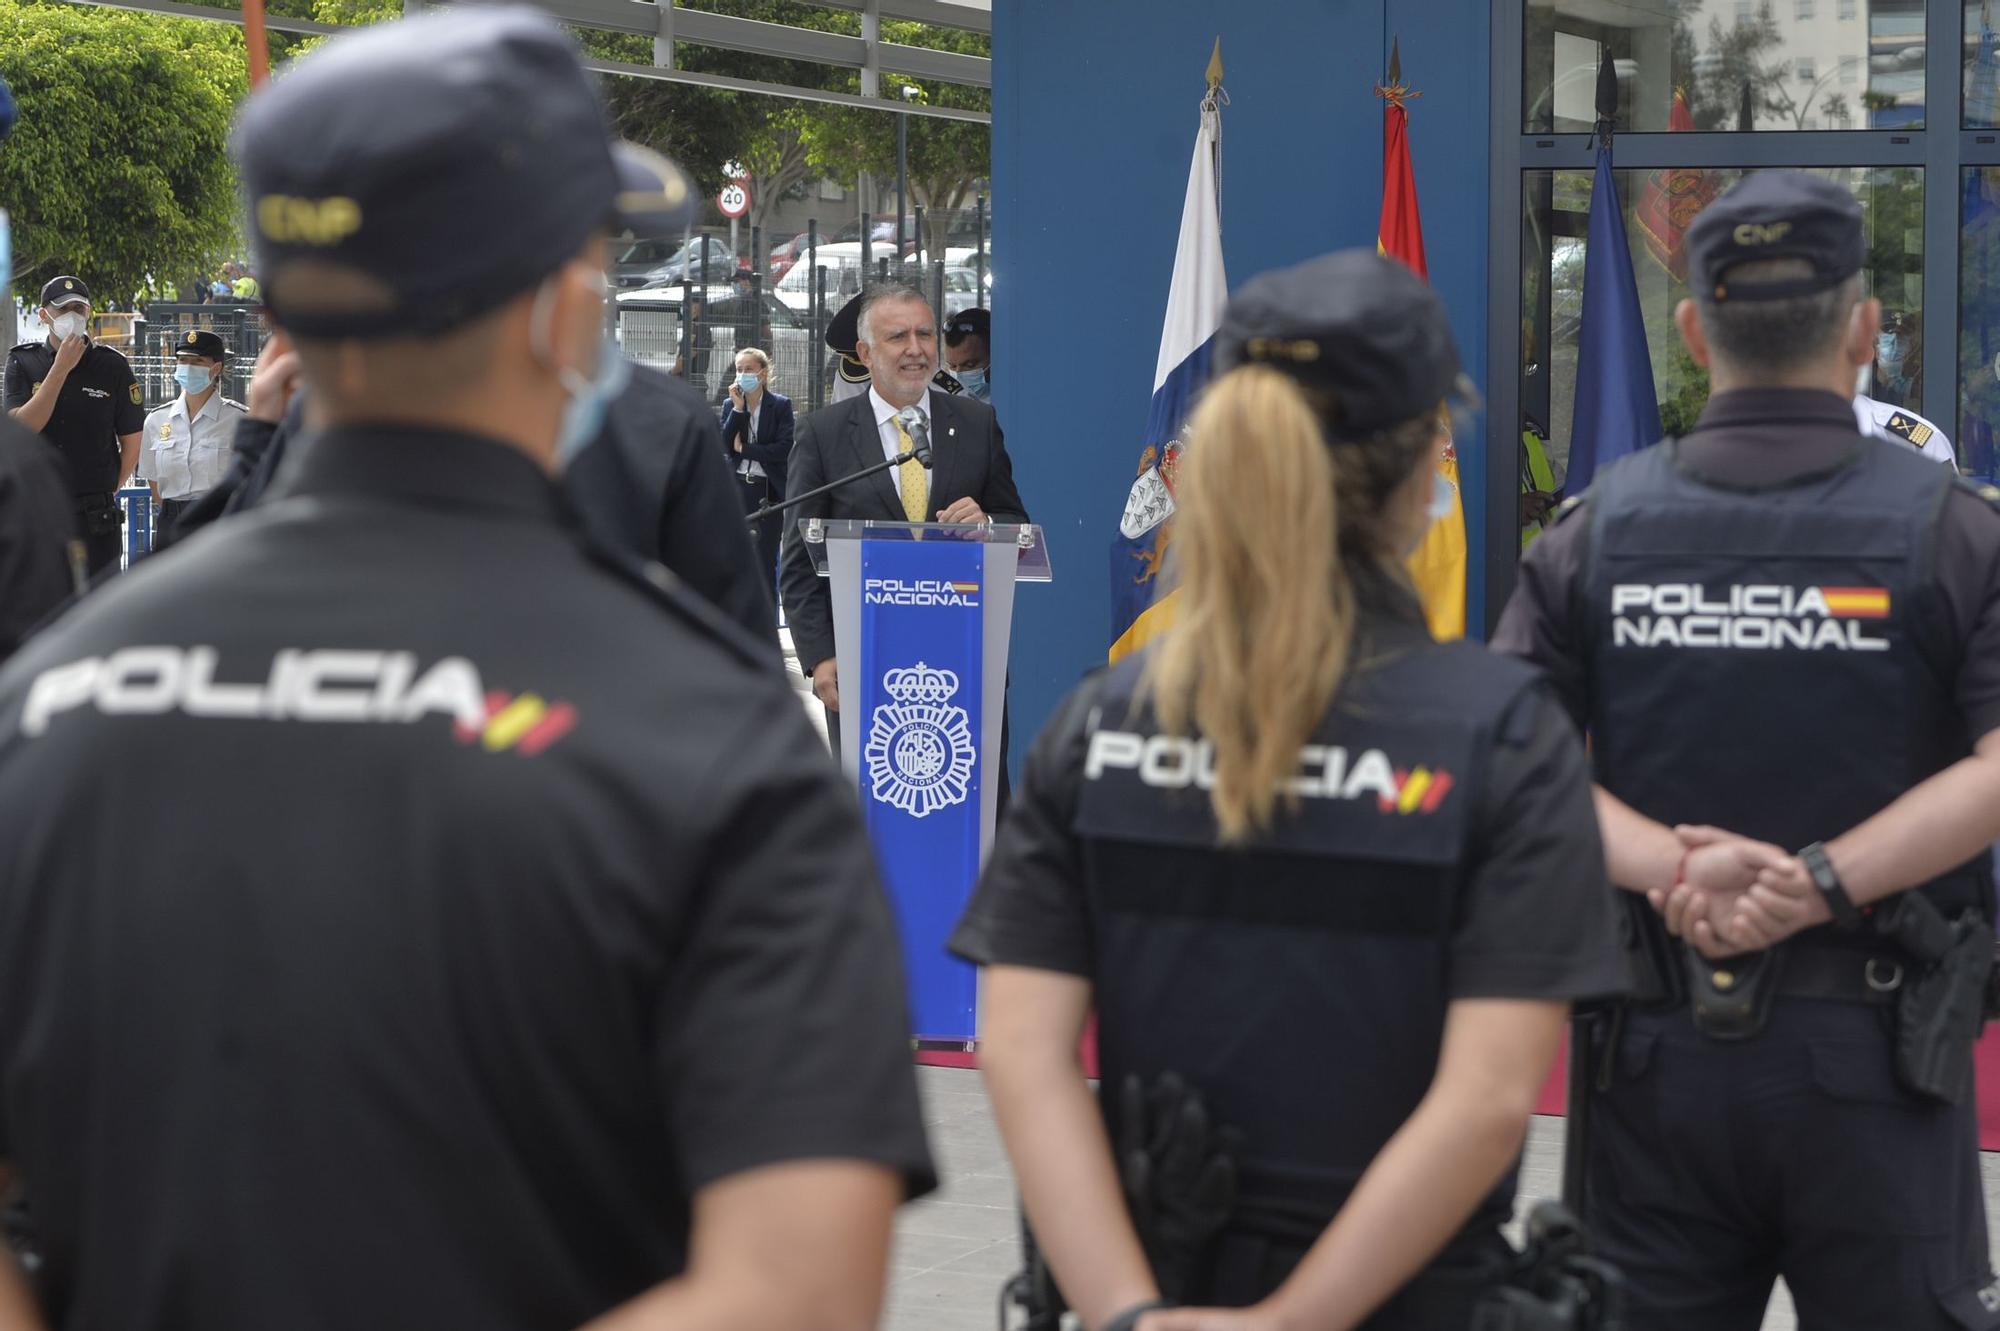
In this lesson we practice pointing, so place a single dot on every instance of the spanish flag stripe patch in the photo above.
(515, 720)
(1857, 602)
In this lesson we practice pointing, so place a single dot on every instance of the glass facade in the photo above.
(1658, 204)
(1860, 91)
(1727, 65)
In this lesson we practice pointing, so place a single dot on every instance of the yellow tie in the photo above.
(916, 489)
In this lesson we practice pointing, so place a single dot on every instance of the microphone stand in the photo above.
(921, 454)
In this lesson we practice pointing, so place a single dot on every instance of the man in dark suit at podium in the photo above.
(971, 478)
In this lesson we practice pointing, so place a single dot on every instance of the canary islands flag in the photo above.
(1194, 312)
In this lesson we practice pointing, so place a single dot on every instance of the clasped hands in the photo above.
(1734, 894)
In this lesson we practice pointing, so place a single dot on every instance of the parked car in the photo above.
(649, 330)
(705, 258)
(841, 259)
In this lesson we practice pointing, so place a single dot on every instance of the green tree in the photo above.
(118, 170)
(1735, 63)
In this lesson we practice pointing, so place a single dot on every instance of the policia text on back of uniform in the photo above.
(1338, 879)
(386, 950)
(1784, 628)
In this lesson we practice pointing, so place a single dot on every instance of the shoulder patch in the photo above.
(137, 394)
(1906, 426)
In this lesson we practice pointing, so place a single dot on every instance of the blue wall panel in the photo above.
(1095, 111)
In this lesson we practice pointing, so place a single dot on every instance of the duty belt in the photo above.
(1841, 975)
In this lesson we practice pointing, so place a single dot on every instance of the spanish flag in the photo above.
(1438, 566)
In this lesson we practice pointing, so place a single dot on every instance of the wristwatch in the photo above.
(1846, 915)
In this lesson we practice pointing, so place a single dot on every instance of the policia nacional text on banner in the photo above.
(922, 635)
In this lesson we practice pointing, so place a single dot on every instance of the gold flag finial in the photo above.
(1393, 92)
(1215, 67)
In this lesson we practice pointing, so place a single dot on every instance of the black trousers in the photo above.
(101, 548)
(751, 493)
(1713, 1168)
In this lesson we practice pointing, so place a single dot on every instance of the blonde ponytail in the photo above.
(1265, 622)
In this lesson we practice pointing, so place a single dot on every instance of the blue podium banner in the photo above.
(922, 630)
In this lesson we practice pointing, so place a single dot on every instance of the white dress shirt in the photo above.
(184, 456)
(892, 440)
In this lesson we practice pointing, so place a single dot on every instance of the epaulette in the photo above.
(1909, 427)
(29, 346)
(946, 381)
(232, 402)
(1567, 507)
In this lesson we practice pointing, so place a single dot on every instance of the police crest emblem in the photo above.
(920, 753)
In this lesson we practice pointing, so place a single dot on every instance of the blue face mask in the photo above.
(976, 383)
(747, 381)
(583, 414)
(589, 399)
(194, 378)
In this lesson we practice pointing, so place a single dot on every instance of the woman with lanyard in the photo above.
(1329, 885)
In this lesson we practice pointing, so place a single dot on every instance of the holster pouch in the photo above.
(1555, 1284)
(99, 514)
(1731, 999)
(1656, 969)
(1944, 998)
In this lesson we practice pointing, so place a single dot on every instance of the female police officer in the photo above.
(1338, 880)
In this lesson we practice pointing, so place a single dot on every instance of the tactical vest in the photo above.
(1297, 982)
(1768, 661)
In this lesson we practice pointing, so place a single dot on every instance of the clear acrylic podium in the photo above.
(922, 618)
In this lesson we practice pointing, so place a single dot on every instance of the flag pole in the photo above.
(253, 40)
(1211, 105)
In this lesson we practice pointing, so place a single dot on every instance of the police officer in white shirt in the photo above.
(1900, 425)
(184, 449)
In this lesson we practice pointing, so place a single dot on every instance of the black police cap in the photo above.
(971, 322)
(458, 159)
(843, 331)
(1363, 328)
(64, 291)
(1776, 215)
(200, 342)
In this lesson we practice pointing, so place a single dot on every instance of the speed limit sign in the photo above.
(734, 201)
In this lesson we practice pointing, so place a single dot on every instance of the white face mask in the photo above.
(67, 326)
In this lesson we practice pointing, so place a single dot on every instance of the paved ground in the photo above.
(955, 1247)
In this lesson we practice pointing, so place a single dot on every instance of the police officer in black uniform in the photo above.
(83, 398)
(1339, 880)
(1778, 626)
(497, 1011)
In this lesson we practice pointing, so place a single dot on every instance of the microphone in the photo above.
(920, 435)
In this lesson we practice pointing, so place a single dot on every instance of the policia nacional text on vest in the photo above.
(1818, 592)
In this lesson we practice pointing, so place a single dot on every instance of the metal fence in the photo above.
(782, 302)
(163, 326)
